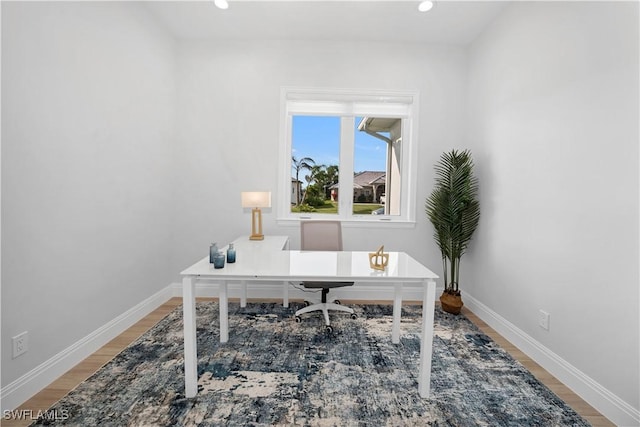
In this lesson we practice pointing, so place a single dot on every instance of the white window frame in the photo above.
(349, 104)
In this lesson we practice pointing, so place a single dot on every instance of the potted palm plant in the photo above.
(454, 211)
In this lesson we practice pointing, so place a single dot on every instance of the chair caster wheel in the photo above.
(354, 316)
(329, 330)
(337, 302)
(307, 303)
(298, 319)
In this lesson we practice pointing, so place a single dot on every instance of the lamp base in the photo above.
(256, 225)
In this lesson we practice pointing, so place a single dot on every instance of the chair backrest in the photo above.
(321, 235)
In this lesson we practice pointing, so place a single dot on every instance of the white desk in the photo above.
(267, 261)
(254, 250)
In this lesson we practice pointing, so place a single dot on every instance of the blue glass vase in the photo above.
(231, 254)
(213, 250)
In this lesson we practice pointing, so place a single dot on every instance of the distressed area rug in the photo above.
(274, 371)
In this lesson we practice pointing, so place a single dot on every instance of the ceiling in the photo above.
(449, 22)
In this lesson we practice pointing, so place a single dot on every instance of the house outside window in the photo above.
(368, 186)
(347, 155)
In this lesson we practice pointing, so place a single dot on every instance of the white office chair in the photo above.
(322, 235)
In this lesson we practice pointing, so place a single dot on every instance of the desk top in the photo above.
(266, 260)
(270, 243)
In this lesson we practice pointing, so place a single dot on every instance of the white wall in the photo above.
(102, 206)
(228, 129)
(88, 105)
(553, 120)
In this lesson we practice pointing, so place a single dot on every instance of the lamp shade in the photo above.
(256, 199)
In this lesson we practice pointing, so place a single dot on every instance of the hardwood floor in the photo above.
(67, 382)
(585, 410)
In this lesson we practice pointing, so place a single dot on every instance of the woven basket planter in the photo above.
(451, 303)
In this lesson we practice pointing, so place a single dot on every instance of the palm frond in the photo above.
(453, 209)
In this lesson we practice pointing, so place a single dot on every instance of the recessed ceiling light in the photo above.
(425, 6)
(222, 4)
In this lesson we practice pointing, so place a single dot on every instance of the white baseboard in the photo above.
(607, 403)
(23, 388)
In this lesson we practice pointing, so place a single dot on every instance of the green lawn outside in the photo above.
(332, 208)
(365, 208)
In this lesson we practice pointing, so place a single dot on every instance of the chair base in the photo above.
(324, 307)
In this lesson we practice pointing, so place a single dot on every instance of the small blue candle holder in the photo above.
(213, 250)
(218, 260)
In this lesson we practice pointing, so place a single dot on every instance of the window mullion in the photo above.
(345, 192)
(285, 185)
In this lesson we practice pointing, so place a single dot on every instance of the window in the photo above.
(348, 155)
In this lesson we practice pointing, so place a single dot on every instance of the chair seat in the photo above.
(326, 285)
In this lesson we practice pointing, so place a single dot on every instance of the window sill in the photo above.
(352, 222)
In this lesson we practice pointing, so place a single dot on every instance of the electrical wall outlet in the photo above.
(543, 320)
(20, 344)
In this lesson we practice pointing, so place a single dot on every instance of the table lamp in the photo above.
(256, 200)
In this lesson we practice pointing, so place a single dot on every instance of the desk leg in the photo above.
(223, 301)
(397, 310)
(243, 294)
(190, 343)
(285, 294)
(426, 341)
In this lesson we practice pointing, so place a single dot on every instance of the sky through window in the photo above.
(318, 137)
